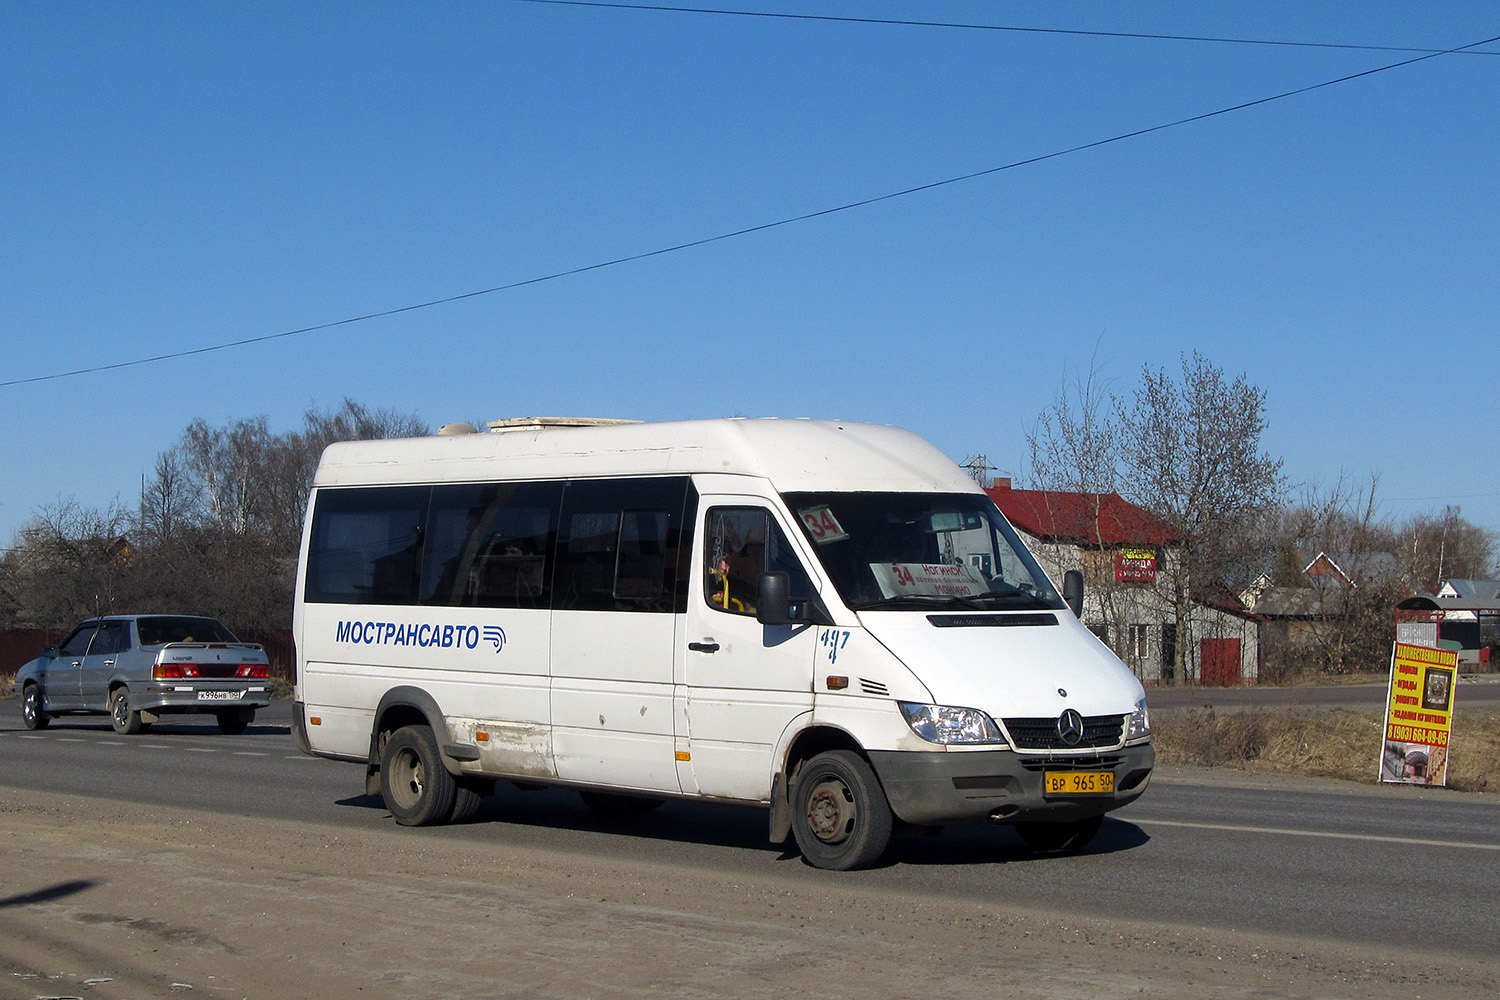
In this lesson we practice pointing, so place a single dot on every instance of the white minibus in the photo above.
(827, 619)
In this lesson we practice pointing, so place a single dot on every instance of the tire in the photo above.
(840, 816)
(31, 708)
(417, 788)
(126, 720)
(233, 721)
(469, 793)
(609, 804)
(1070, 837)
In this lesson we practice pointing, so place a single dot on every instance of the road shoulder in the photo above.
(147, 901)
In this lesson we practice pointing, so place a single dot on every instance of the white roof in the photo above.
(793, 454)
(1483, 590)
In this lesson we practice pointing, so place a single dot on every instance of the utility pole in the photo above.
(979, 468)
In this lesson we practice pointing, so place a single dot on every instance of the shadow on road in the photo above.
(744, 827)
(59, 891)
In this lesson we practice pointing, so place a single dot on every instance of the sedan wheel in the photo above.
(31, 708)
(126, 720)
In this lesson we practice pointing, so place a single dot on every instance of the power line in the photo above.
(907, 23)
(691, 244)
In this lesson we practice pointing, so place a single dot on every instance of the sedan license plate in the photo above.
(220, 695)
(1066, 783)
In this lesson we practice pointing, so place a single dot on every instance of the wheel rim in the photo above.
(122, 709)
(406, 778)
(31, 705)
(831, 811)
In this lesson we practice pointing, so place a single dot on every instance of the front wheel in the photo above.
(840, 815)
(417, 788)
(468, 795)
(31, 708)
(126, 720)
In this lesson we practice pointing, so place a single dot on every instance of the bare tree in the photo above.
(241, 479)
(167, 500)
(351, 421)
(1074, 449)
(1446, 548)
(1345, 617)
(216, 530)
(1190, 453)
(1074, 443)
(225, 464)
(68, 562)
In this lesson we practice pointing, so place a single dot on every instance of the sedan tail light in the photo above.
(211, 671)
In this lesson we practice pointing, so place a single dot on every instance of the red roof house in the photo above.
(1080, 518)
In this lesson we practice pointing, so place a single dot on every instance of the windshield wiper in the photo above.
(1008, 595)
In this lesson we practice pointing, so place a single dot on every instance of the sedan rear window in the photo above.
(162, 629)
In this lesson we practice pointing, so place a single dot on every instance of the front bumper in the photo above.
(941, 788)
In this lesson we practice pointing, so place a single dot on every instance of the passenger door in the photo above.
(619, 588)
(60, 683)
(112, 639)
(745, 682)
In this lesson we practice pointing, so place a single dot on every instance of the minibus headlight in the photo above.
(1138, 726)
(944, 724)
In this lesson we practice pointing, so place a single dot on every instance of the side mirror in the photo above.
(51, 653)
(1073, 591)
(773, 600)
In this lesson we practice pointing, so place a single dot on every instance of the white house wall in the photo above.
(1121, 606)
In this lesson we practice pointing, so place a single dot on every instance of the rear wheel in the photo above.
(126, 720)
(417, 788)
(1060, 836)
(31, 708)
(840, 815)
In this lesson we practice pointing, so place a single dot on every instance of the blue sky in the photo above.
(177, 176)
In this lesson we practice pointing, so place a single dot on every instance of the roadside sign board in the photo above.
(1418, 715)
(1135, 566)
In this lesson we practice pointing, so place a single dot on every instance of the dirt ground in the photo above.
(113, 900)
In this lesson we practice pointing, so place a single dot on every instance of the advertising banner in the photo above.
(1419, 715)
(1135, 566)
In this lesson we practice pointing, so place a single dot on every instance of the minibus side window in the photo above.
(641, 556)
(740, 543)
(618, 546)
(366, 545)
(489, 545)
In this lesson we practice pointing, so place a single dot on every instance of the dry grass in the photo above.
(1323, 744)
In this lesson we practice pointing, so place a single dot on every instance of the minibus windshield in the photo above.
(921, 551)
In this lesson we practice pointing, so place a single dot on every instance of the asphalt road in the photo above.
(1212, 849)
